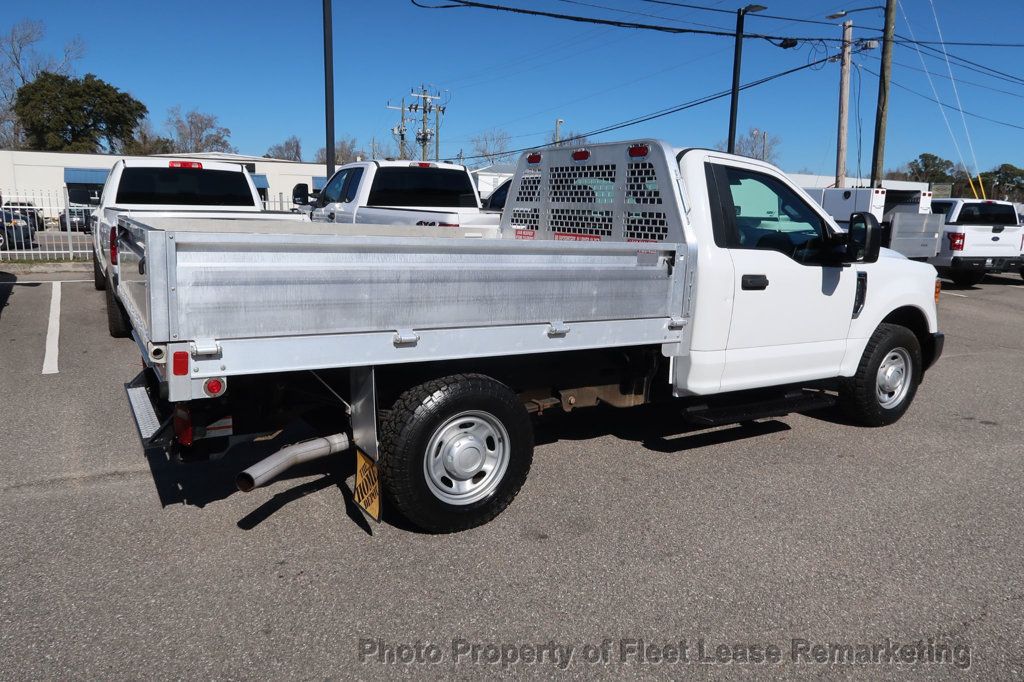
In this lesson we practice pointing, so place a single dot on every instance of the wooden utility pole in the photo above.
(844, 102)
(424, 131)
(882, 111)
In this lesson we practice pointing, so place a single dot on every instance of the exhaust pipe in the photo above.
(271, 467)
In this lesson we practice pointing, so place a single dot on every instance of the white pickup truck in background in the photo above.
(161, 187)
(623, 274)
(399, 193)
(980, 236)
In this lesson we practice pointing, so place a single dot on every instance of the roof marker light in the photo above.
(581, 155)
(638, 151)
(185, 164)
(533, 158)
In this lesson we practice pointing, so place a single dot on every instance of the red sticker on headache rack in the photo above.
(563, 236)
(526, 234)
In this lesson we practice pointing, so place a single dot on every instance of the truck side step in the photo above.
(798, 400)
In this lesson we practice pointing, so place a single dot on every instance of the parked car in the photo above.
(419, 193)
(981, 236)
(158, 188)
(15, 231)
(495, 201)
(76, 219)
(32, 215)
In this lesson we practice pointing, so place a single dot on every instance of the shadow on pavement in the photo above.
(8, 280)
(659, 428)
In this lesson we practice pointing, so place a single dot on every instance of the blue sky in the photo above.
(257, 65)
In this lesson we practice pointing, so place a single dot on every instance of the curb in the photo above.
(41, 268)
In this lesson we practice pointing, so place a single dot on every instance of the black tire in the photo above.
(858, 395)
(118, 323)
(428, 410)
(99, 282)
(967, 279)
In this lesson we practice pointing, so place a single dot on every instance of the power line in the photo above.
(643, 118)
(939, 75)
(967, 63)
(760, 15)
(613, 22)
(950, 106)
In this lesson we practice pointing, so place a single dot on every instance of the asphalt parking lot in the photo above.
(630, 527)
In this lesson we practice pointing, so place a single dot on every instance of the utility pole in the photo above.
(437, 134)
(329, 85)
(844, 102)
(425, 106)
(878, 153)
(558, 130)
(399, 130)
(736, 59)
(424, 136)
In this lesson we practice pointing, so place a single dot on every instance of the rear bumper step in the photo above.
(152, 430)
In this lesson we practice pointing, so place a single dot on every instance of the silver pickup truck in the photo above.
(622, 274)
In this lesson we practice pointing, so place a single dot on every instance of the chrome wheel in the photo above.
(466, 457)
(893, 379)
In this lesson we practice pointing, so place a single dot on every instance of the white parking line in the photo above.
(950, 293)
(52, 332)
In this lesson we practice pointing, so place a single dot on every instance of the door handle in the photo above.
(754, 282)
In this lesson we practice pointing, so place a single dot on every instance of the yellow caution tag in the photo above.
(367, 489)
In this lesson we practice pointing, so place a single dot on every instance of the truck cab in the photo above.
(420, 193)
(980, 236)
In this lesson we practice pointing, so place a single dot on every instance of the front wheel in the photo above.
(887, 378)
(454, 452)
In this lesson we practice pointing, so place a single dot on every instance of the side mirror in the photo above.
(300, 194)
(863, 238)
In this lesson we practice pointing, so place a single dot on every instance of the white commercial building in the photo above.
(51, 179)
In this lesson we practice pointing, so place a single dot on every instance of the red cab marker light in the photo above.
(421, 164)
(179, 363)
(533, 158)
(638, 151)
(213, 387)
(581, 155)
(185, 164)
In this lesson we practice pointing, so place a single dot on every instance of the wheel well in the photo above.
(914, 320)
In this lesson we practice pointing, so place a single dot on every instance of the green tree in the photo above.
(63, 114)
(1005, 180)
(931, 168)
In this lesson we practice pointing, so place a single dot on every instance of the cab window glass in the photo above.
(331, 193)
(352, 184)
(766, 214)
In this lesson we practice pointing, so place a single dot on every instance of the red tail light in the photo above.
(185, 164)
(421, 164)
(179, 363)
(533, 158)
(213, 387)
(638, 151)
(956, 240)
(113, 245)
(581, 155)
(183, 425)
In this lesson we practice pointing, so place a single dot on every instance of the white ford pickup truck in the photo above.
(980, 236)
(399, 193)
(168, 187)
(623, 273)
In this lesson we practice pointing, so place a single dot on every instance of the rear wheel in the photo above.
(886, 380)
(967, 279)
(99, 282)
(454, 452)
(117, 318)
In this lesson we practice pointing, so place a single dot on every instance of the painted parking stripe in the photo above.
(53, 333)
(950, 293)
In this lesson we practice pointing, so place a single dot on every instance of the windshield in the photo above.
(414, 186)
(184, 187)
(987, 214)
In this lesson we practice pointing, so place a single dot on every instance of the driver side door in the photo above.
(329, 201)
(791, 312)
